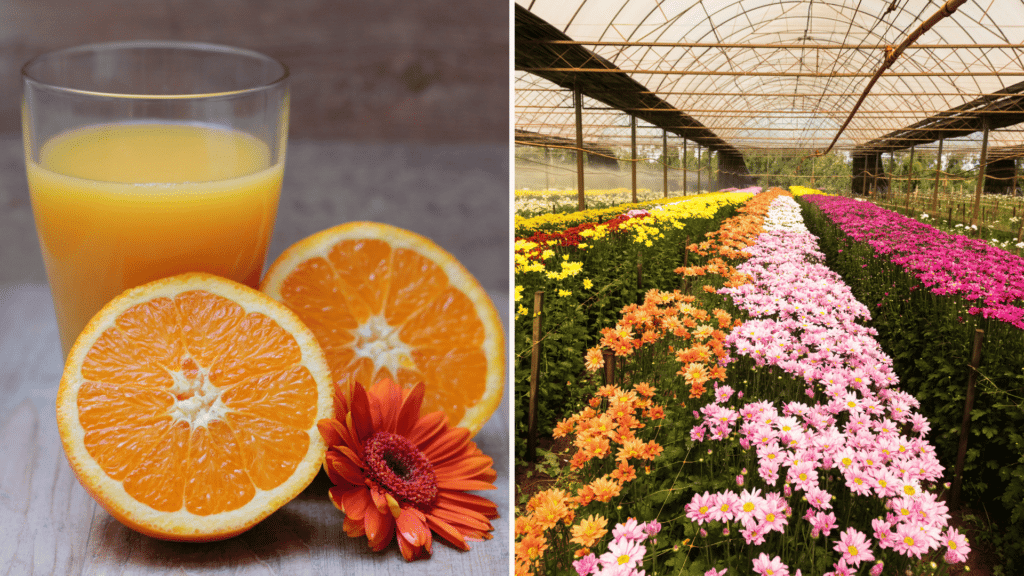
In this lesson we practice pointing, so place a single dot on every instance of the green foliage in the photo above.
(572, 324)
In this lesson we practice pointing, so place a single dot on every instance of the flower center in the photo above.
(397, 464)
(853, 551)
(196, 400)
(623, 559)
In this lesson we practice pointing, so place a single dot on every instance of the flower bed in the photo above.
(586, 280)
(990, 278)
(929, 292)
(799, 393)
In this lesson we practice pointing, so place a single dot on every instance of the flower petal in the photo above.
(389, 396)
(455, 499)
(466, 468)
(413, 527)
(450, 441)
(465, 485)
(461, 521)
(380, 500)
(349, 437)
(354, 528)
(342, 390)
(409, 414)
(447, 531)
(345, 468)
(355, 502)
(426, 428)
(360, 418)
(408, 550)
(328, 433)
(380, 528)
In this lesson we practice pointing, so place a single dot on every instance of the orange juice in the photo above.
(118, 205)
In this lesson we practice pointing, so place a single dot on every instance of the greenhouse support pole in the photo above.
(547, 172)
(664, 160)
(910, 171)
(632, 147)
(864, 178)
(981, 170)
(878, 163)
(531, 436)
(938, 173)
(1013, 191)
(684, 167)
(710, 185)
(812, 171)
(578, 101)
(890, 191)
(698, 169)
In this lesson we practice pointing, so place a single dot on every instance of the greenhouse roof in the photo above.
(772, 74)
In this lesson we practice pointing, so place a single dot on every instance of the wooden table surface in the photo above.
(50, 525)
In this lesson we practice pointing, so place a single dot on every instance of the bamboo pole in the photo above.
(535, 351)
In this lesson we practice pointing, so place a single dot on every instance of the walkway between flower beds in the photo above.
(858, 474)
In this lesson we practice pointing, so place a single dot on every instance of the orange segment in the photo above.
(188, 407)
(387, 303)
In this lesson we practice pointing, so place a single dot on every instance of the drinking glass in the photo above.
(147, 159)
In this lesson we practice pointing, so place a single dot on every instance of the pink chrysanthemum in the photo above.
(854, 547)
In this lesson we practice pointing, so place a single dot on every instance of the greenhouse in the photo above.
(769, 302)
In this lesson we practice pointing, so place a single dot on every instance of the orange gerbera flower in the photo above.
(395, 471)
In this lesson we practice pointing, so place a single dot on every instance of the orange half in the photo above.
(188, 407)
(385, 302)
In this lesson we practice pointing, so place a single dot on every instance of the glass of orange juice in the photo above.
(147, 159)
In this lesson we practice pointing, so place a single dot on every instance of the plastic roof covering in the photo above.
(795, 94)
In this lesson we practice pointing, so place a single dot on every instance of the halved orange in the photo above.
(188, 407)
(385, 302)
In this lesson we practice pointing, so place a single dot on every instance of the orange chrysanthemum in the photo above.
(589, 530)
(396, 472)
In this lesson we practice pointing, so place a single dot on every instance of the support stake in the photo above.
(535, 350)
(965, 427)
(609, 367)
